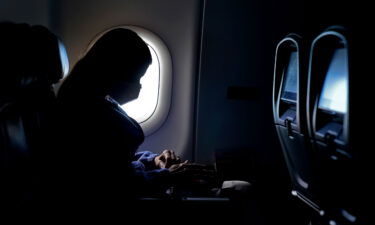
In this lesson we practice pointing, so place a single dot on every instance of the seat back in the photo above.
(30, 59)
(289, 109)
(328, 113)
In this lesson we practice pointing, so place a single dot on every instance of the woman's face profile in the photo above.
(126, 91)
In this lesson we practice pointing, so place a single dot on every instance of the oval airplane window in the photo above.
(150, 109)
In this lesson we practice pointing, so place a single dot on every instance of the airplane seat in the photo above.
(30, 59)
(328, 113)
(289, 110)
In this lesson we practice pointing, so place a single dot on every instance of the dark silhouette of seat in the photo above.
(289, 108)
(337, 180)
(30, 59)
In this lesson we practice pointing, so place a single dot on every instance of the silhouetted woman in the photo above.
(98, 139)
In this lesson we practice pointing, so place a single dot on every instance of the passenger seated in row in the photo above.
(99, 140)
(31, 62)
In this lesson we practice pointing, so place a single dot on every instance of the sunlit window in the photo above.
(151, 107)
(144, 106)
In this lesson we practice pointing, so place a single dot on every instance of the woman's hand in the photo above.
(166, 159)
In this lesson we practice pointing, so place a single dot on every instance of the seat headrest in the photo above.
(31, 58)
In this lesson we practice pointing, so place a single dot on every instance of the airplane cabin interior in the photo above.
(250, 112)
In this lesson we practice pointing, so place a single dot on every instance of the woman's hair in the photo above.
(118, 56)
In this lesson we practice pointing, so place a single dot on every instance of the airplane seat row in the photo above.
(311, 107)
(31, 62)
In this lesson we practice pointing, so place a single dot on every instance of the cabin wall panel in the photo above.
(239, 42)
(25, 11)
